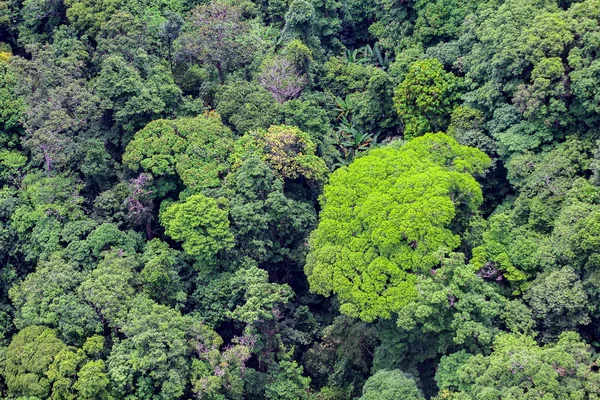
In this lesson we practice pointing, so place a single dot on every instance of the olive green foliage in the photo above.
(219, 36)
(467, 127)
(385, 218)
(52, 83)
(246, 106)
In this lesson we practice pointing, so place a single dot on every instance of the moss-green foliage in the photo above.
(426, 97)
(385, 218)
(201, 224)
(289, 151)
(47, 204)
(133, 96)
(195, 149)
(246, 106)
(520, 368)
(46, 297)
(390, 385)
(287, 383)
(28, 357)
(270, 170)
(565, 309)
(12, 106)
(268, 226)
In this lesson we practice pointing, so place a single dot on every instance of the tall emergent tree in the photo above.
(387, 217)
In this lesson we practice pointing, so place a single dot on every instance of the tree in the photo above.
(135, 97)
(92, 382)
(28, 357)
(127, 36)
(169, 32)
(519, 368)
(195, 149)
(287, 383)
(467, 127)
(73, 375)
(246, 106)
(455, 308)
(390, 385)
(48, 204)
(558, 302)
(279, 76)
(202, 225)
(59, 106)
(509, 252)
(342, 360)
(12, 106)
(426, 97)
(269, 226)
(218, 36)
(47, 297)
(109, 287)
(260, 297)
(441, 19)
(309, 116)
(152, 360)
(374, 108)
(385, 217)
(289, 151)
(299, 21)
(159, 275)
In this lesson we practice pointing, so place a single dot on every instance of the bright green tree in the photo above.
(386, 217)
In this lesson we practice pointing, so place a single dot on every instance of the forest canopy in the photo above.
(299, 199)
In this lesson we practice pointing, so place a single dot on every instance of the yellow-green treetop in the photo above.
(386, 217)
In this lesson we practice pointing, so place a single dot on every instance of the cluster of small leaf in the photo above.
(299, 199)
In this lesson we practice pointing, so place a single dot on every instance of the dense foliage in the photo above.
(299, 199)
